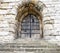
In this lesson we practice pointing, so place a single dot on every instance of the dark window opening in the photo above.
(30, 26)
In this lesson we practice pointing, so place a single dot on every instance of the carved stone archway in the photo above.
(26, 9)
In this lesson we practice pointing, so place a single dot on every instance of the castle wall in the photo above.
(51, 19)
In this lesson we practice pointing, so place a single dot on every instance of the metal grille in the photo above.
(30, 26)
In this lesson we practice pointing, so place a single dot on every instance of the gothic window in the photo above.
(30, 26)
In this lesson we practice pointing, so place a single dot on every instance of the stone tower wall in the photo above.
(51, 19)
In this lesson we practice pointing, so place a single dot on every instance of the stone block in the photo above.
(48, 32)
(6, 39)
(4, 11)
(3, 33)
(13, 11)
(4, 29)
(12, 29)
(48, 26)
(6, 6)
(10, 0)
(58, 38)
(9, 17)
(4, 24)
(56, 26)
(1, 17)
(51, 38)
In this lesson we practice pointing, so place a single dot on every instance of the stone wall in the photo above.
(51, 20)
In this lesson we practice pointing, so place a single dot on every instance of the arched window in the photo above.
(30, 27)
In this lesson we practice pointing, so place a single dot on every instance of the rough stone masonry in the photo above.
(51, 20)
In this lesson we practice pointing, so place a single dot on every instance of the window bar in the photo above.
(30, 25)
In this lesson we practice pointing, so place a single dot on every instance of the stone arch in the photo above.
(30, 8)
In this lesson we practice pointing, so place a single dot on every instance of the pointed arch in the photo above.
(30, 8)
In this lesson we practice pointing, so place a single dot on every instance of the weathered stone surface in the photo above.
(8, 28)
(34, 46)
(10, 0)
